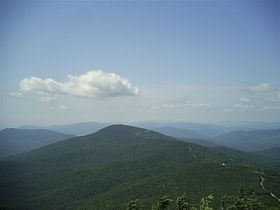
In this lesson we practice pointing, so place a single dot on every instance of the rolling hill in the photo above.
(250, 140)
(76, 129)
(105, 169)
(15, 141)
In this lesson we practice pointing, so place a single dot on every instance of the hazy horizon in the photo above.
(158, 123)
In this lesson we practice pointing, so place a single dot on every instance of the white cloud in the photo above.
(245, 100)
(95, 84)
(16, 94)
(202, 105)
(48, 99)
(243, 106)
(179, 105)
(161, 106)
(260, 87)
(63, 107)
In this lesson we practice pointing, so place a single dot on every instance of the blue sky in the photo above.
(200, 61)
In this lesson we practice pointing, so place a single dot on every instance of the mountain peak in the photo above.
(120, 127)
(122, 131)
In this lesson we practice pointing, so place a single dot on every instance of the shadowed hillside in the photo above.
(15, 141)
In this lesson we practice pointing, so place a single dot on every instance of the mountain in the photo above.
(250, 140)
(106, 169)
(179, 132)
(76, 129)
(15, 141)
(247, 125)
(205, 129)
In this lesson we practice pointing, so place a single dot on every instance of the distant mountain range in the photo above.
(15, 141)
(209, 130)
(179, 132)
(250, 140)
(105, 169)
(246, 138)
(202, 130)
(247, 125)
(76, 129)
(197, 130)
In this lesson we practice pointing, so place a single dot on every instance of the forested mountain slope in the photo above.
(106, 169)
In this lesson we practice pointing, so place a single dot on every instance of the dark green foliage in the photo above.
(206, 202)
(103, 170)
(162, 203)
(134, 205)
(272, 153)
(240, 202)
(182, 202)
(274, 208)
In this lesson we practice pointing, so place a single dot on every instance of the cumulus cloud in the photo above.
(260, 87)
(95, 84)
(16, 94)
